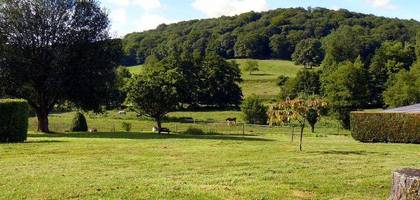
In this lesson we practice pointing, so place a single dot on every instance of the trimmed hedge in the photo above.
(385, 127)
(14, 115)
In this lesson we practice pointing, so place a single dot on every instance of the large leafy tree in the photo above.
(346, 89)
(308, 53)
(154, 92)
(306, 83)
(54, 51)
(418, 46)
(252, 45)
(404, 89)
(388, 60)
(219, 82)
(347, 44)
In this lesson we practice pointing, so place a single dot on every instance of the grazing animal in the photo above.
(231, 121)
(162, 130)
(122, 112)
(93, 130)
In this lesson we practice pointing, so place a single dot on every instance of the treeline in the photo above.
(357, 73)
(272, 34)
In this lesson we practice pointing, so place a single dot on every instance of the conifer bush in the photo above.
(79, 123)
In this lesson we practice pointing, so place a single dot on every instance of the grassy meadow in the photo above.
(263, 164)
(228, 162)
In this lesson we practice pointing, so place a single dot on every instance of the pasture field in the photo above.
(262, 83)
(144, 165)
(135, 69)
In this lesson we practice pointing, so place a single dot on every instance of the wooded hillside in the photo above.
(272, 34)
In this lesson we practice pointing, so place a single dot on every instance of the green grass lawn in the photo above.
(262, 83)
(265, 164)
(135, 69)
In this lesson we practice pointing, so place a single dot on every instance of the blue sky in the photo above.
(139, 15)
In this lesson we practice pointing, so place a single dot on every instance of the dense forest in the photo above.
(272, 34)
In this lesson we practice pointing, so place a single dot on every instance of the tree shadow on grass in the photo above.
(44, 141)
(145, 136)
(261, 74)
(335, 152)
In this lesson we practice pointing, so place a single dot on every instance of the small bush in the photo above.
(126, 126)
(282, 79)
(386, 127)
(13, 120)
(79, 123)
(254, 111)
(194, 131)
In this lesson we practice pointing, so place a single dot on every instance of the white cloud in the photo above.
(118, 15)
(150, 21)
(385, 4)
(217, 8)
(147, 5)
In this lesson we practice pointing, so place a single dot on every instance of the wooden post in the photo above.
(406, 185)
(243, 129)
(176, 128)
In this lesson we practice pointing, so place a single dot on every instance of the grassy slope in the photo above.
(263, 82)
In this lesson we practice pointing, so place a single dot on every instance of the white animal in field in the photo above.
(93, 130)
(122, 112)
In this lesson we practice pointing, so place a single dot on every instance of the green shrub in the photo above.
(13, 120)
(254, 111)
(194, 131)
(79, 123)
(386, 127)
(126, 126)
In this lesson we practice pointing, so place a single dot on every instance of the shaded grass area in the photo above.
(151, 166)
(209, 121)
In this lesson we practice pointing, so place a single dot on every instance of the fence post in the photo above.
(176, 128)
(243, 129)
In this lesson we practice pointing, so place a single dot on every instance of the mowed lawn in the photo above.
(150, 166)
(262, 83)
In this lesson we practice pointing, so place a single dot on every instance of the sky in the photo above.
(139, 15)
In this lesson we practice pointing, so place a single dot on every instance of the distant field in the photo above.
(261, 83)
(135, 69)
(264, 164)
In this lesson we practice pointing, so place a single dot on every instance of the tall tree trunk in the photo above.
(301, 136)
(313, 128)
(42, 116)
(159, 124)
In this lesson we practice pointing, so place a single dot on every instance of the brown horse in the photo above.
(231, 121)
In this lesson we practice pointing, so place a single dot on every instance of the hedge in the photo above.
(13, 120)
(385, 127)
